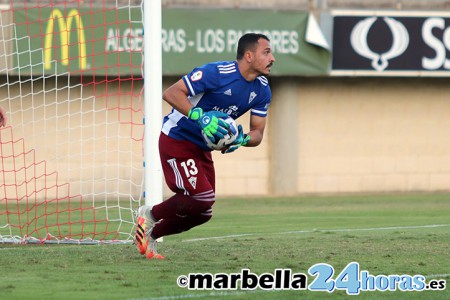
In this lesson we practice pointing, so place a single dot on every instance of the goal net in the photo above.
(71, 155)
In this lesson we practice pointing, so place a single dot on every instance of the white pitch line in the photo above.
(291, 232)
(315, 230)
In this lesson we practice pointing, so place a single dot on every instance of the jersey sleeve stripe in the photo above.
(227, 72)
(263, 80)
(261, 113)
(226, 69)
(188, 83)
(226, 66)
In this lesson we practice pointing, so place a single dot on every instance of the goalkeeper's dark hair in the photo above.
(249, 42)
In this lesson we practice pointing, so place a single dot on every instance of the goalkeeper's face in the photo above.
(263, 57)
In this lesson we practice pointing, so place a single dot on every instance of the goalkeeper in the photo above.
(200, 100)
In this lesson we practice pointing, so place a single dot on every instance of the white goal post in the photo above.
(153, 107)
(79, 151)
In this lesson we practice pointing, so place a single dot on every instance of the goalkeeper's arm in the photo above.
(251, 139)
(210, 122)
(177, 96)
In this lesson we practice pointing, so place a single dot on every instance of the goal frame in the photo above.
(152, 100)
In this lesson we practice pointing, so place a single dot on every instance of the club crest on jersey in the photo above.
(252, 96)
(197, 76)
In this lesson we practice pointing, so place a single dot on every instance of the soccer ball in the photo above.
(227, 140)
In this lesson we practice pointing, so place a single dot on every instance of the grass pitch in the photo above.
(400, 234)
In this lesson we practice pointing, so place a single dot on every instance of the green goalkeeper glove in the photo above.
(210, 122)
(241, 140)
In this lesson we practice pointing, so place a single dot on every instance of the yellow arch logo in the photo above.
(65, 25)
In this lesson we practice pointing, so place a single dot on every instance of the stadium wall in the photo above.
(373, 135)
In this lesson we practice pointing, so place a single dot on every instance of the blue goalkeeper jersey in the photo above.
(218, 86)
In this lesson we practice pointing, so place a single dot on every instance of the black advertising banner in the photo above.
(391, 44)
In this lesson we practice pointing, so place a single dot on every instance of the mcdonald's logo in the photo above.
(65, 26)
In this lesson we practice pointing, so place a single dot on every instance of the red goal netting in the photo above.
(71, 158)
